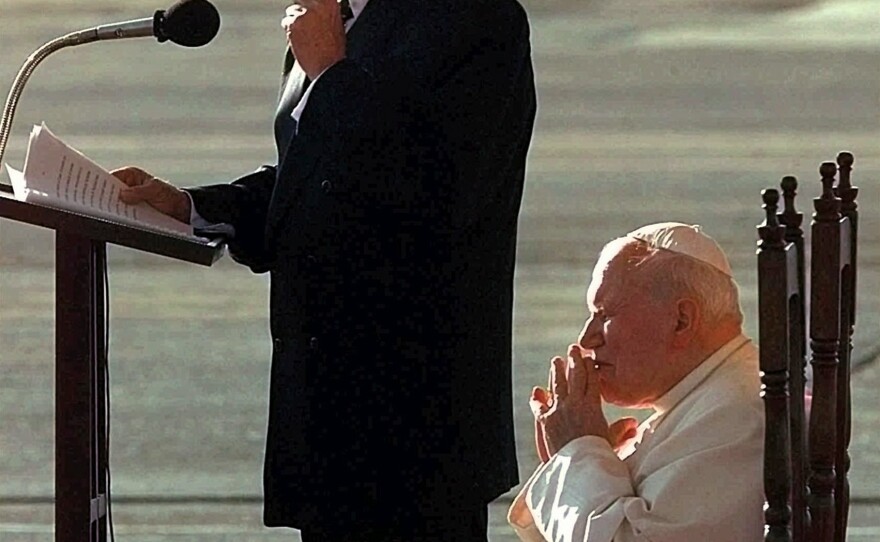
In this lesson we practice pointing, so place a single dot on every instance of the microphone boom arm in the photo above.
(74, 38)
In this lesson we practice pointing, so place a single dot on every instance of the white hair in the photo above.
(669, 275)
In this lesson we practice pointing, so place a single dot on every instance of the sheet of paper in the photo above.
(19, 186)
(62, 173)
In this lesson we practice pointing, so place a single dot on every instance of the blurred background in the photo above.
(648, 111)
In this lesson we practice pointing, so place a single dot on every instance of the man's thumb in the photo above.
(622, 430)
(132, 195)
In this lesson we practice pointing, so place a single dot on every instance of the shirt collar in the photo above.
(357, 6)
(687, 384)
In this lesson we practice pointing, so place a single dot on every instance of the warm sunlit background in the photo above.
(650, 110)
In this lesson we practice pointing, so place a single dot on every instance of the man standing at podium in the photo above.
(388, 225)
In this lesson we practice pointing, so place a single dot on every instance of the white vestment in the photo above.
(694, 473)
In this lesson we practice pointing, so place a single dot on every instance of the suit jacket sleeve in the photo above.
(244, 204)
(439, 121)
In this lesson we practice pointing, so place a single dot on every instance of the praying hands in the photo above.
(572, 407)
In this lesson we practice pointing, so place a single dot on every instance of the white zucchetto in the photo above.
(684, 239)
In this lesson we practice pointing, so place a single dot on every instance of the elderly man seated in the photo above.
(664, 331)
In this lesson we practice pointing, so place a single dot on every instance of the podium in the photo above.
(80, 351)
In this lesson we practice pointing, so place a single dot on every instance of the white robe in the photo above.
(694, 473)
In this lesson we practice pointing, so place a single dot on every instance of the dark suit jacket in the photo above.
(389, 229)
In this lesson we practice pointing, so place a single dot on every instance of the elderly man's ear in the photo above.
(689, 318)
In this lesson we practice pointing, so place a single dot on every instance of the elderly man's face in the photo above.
(630, 334)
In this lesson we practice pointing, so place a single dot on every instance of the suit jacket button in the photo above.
(311, 260)
(278, 344)
(327, 186)
(314, 343)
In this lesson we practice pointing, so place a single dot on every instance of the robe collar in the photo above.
(693, 379)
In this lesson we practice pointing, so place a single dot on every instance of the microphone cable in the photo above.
(106, 397)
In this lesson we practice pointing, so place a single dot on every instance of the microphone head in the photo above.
(191, 23)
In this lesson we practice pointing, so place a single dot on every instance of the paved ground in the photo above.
(683, 110)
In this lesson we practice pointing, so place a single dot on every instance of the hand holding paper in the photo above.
(142, 187)
(57, 175)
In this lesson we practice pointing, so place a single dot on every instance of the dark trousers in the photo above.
(468, 525)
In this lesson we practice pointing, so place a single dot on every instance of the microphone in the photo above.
(190, 23)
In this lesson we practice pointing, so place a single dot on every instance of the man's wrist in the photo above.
(326, 66)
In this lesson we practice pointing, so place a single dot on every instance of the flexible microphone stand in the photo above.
(191, 23)
(27, 69)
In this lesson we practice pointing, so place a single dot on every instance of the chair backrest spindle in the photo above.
(773, 338)
(849, 235)
(797, 344)
(824, 344)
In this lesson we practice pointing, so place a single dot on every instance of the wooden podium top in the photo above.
(199, 251)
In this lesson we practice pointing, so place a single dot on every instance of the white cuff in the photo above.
(199, 223)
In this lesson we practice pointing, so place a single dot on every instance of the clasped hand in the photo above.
(572, 407)
(316, 34)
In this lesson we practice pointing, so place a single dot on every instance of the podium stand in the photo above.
(80, 356)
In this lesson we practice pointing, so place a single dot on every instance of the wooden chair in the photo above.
(806, 461)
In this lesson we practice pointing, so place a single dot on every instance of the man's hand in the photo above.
(143, 187)
(621, 431)
(573, 407)
(316, 34)
(540, 404)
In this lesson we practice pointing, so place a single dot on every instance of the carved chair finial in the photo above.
(790, 217)
(827, 205)
(770, 231)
